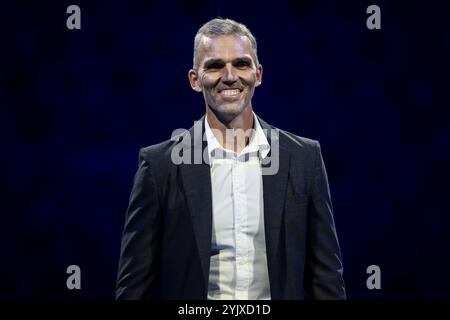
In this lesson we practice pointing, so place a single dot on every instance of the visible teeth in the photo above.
(230, 92)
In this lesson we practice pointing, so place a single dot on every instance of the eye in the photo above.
(242, 64)
(214, 65)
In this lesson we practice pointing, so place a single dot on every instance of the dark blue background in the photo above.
(76, 106)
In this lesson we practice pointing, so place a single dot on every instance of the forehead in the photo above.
(225, 47)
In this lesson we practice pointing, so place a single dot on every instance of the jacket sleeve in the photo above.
(323, 269)
(141, 238)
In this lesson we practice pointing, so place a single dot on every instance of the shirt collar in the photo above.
(258, 140)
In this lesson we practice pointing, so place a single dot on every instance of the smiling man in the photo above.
(224, 227)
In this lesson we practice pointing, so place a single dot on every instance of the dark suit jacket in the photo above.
(166, 242)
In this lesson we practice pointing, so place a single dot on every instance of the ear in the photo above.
(259, 73)
(193, 79)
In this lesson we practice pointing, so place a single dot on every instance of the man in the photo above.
(224, 225)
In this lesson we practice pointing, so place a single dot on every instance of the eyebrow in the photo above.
(244, 59)
(212, 61)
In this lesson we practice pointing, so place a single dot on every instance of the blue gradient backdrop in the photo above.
(76, 106)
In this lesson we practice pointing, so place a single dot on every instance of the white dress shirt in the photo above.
(238, 266)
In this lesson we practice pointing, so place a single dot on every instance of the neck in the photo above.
(234, 135)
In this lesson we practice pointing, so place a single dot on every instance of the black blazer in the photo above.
(166, 242)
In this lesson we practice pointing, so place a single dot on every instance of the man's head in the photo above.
(226, 67)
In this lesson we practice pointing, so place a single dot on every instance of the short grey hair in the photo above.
(220, 27)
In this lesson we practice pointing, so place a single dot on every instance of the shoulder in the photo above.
(164, 157)
(302, 149)
(296, 144)
(158, 152)
(156, 161)
(181, 140)
(290, 141)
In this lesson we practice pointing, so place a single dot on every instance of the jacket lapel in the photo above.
(196, 179)
(274, 191)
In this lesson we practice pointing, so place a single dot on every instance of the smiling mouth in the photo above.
(230, 92)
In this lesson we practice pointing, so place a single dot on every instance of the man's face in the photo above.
(226, 74)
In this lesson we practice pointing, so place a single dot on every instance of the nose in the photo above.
(229, 76)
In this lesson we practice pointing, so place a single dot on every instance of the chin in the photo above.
(226, 113)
